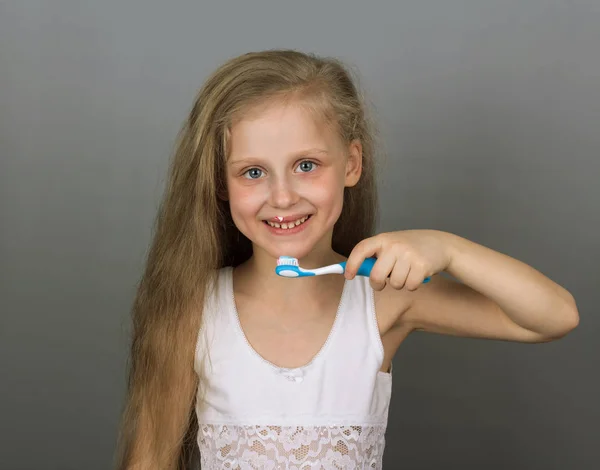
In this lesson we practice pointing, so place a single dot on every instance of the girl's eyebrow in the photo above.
(256, 160)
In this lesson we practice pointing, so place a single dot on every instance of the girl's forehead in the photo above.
(280, 127)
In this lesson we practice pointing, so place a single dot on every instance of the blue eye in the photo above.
(254, 173)
(307, 166)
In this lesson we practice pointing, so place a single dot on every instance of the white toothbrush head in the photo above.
(287, 261)
(288, 266)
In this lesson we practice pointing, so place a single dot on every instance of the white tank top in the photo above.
(329, 414)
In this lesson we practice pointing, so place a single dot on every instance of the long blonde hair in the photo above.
(195, 236)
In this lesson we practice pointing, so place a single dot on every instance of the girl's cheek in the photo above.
(245, 201)
(239, 191)
(324, 189)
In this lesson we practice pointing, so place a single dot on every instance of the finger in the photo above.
(364, 249)
(381, 270)
(399, 275)
(415, 277)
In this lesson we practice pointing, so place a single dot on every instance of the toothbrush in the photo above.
(288, 266)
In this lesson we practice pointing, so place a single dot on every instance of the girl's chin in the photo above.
(300, 251)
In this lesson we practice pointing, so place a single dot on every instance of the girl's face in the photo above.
(287, 168)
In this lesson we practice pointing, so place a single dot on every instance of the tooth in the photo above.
(288, 225)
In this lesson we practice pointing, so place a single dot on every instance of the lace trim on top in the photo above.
(291, 447)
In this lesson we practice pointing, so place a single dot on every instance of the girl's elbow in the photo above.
(572, 320)
(568, 319)
(571, 315)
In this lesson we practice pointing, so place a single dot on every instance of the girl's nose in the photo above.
(283, 194)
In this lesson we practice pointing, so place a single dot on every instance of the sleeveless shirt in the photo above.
(328, 414)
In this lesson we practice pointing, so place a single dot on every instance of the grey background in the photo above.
(489, 111)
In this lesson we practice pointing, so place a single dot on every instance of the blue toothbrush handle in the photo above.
(367, 265)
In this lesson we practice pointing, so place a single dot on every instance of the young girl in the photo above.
(261, 371)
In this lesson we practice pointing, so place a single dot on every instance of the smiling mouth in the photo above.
(288, 225)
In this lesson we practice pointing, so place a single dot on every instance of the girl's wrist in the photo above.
(455, 247)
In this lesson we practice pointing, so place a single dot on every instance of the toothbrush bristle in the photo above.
(287, 260)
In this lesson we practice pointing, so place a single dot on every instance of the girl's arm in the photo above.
(498, 297)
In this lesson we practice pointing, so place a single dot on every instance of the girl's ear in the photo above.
(222, 194)
(354, 163)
